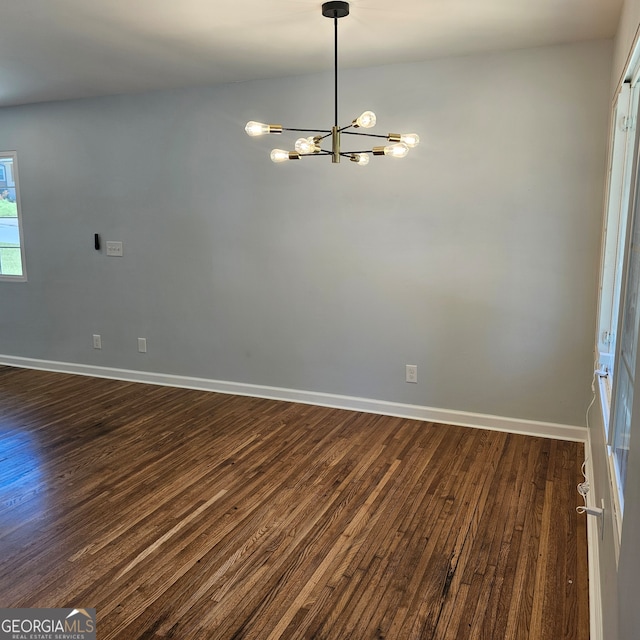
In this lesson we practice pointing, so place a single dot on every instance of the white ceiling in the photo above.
(60, 49)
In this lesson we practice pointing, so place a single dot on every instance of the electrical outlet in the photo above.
(97, 341)
(142, 345)
(411, 373)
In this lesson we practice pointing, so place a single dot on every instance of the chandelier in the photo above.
(400, 143)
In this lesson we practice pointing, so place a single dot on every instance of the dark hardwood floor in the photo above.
(190, 515)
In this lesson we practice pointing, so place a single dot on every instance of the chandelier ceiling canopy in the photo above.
(311, 145)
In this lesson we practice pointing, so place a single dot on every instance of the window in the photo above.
(12, 265)
(619, 181)
(619, 310)
(626, 355)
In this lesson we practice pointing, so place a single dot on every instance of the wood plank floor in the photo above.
(192, 515)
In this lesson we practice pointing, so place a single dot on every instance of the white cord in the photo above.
(596, 372)
(583, 489)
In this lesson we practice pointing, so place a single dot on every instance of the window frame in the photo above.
(632, 233)
(622, 205)
(16, 180)
(618, 191)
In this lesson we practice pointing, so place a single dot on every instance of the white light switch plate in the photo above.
(114, 248)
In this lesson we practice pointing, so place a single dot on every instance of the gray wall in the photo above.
(475, 258)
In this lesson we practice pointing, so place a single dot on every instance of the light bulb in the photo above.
(256, 128)
(410, 139)
(280, 155)
(366, 120)
(305, 146)
(259, 128)
(361, 159)
(398, 150)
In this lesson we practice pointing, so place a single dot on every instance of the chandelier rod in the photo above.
(369, 135)
(335, 66)
(308, 130)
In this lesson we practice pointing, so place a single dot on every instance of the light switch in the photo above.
(114, 248)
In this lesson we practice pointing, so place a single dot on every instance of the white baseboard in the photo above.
(367, 405)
